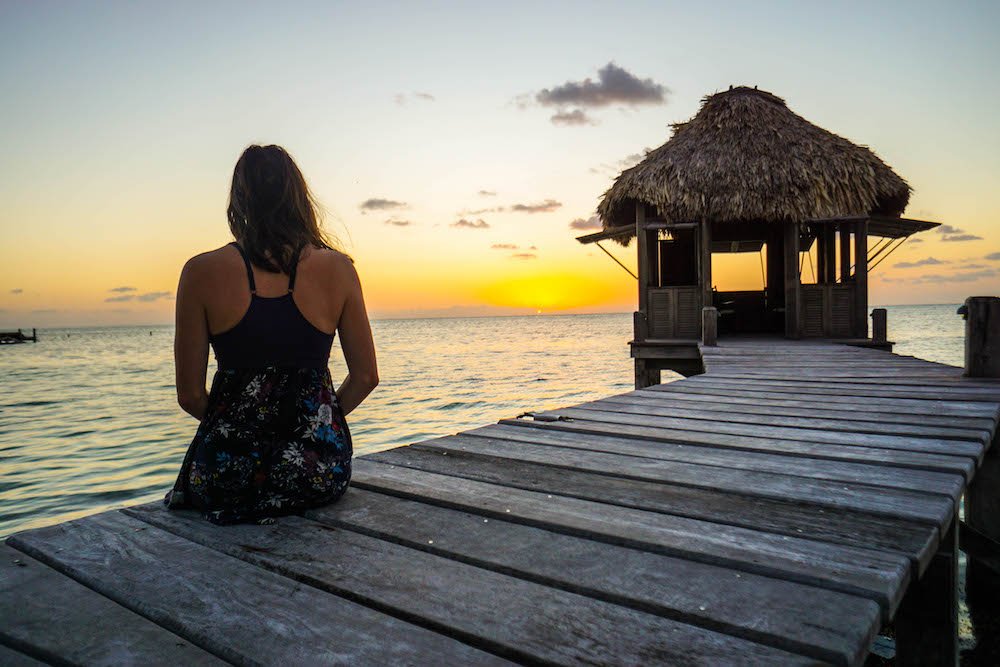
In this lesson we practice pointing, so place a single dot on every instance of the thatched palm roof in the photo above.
(745, 156)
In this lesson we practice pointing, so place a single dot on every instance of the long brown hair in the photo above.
(271, 212)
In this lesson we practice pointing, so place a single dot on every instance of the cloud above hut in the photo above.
(574, 117)
(381, 204)
(122, 290)
(586, 224)
(524, 255)
(614, 85)
(546, 206)
(465, 223)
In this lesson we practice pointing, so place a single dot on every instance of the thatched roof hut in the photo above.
(746, 157)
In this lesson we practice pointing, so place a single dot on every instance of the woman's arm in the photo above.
(191, 342)
(356, 342)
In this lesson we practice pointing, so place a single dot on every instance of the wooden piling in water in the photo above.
(982, 500)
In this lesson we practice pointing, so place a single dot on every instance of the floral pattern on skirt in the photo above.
(273, 441)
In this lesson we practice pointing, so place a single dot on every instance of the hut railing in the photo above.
(827, 310)
(674, 312)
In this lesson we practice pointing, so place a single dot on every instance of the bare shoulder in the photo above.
(207, 264)
(337, 266)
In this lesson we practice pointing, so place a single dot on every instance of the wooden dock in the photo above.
(779, 509)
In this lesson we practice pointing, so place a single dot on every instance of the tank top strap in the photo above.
(295, 269)
(246, 262)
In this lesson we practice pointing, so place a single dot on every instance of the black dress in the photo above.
(273, 439)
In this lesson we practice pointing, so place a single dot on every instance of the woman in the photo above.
(272, 439)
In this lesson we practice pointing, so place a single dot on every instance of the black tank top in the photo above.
(273, 332)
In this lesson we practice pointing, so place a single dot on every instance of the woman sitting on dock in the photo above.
(273, 438)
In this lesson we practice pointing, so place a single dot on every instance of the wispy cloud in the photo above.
(574, 117)
(915, 240)
(993, 256)
(487, 193)
(398, 223)
(402, 98)
(951, 233)
(381, 204)
(524, 255)
(153, 296)
(624, 163)
(582, 224)
(480, 211)
(119, 299)
(614, 85)
(546, 206)
(471, 224)
(122, 290)
(504, 246)
(17, 290)
(926, 261)
(967, 277)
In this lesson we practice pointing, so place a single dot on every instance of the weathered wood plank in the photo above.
(881, 475)
(926, 461)
(619, 404)
(933, 445)
(717, 598)
(930, 507)
(237, 611)
(796, 408)
(881, 578)
(12, 658)
(48, 615)
(931, 407)
(923, 388)
(519, 619)
(781, 517)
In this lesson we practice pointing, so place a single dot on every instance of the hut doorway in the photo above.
(748, 278)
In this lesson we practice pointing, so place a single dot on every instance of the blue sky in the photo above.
(120, 123)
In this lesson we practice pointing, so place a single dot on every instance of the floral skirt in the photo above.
(273, 441)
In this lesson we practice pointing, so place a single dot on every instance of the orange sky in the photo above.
(119, 143)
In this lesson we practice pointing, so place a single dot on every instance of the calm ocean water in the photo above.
(88, 418)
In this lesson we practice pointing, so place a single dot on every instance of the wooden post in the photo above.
(791, 280)
(821, 255)
(845, 253)
(642, 243)
(705, 259)
(861, 279)
(982, 336)
(982, 499)
(646, 374)
(927, 621)
(709, 326)
(830, 247)
(880, 330)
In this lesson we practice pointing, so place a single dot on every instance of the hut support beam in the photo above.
(705, 260)
(861, 279)
(642, 242)
(845, 253)
(791, 248)
(830, 250)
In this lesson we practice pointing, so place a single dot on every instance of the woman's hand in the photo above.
(191, 340)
